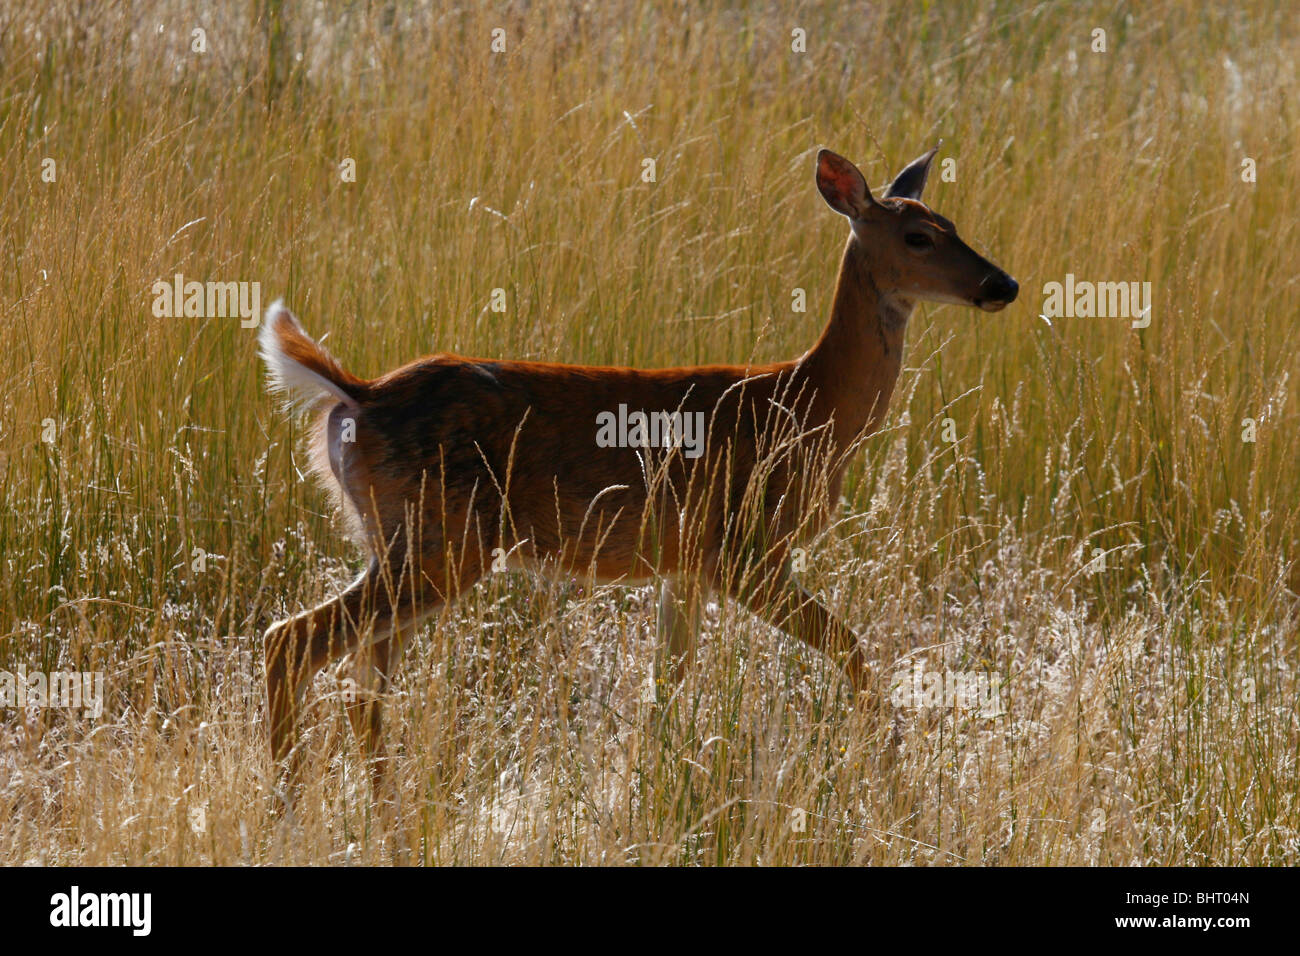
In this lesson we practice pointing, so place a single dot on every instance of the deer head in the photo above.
(910, 251)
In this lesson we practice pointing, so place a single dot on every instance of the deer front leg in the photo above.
(678, 621)
(773, 594)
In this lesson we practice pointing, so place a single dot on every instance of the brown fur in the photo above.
(454, 458)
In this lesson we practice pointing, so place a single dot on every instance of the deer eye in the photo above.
(918, 240)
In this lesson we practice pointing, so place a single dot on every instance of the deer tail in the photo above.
(298, 366)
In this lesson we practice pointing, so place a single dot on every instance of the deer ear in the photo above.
(911, 181)
(842, 186)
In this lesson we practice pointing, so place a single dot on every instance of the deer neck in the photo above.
(854, 365)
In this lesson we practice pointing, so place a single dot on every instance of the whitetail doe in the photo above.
(440, 463)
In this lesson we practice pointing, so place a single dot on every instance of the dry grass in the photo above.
(1150, 708)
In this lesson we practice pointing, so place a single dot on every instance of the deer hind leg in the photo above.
(373, 665)
(371, 668)
(680, 605)
(364, 615)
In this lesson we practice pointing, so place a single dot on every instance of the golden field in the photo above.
(1099, 537)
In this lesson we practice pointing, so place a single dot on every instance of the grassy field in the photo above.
(1111, 538)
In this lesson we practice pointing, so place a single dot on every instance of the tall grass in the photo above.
(1149, 707)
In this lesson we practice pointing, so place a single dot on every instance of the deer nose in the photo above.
(1001, 287)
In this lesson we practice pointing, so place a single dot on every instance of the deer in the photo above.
(447, 464)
